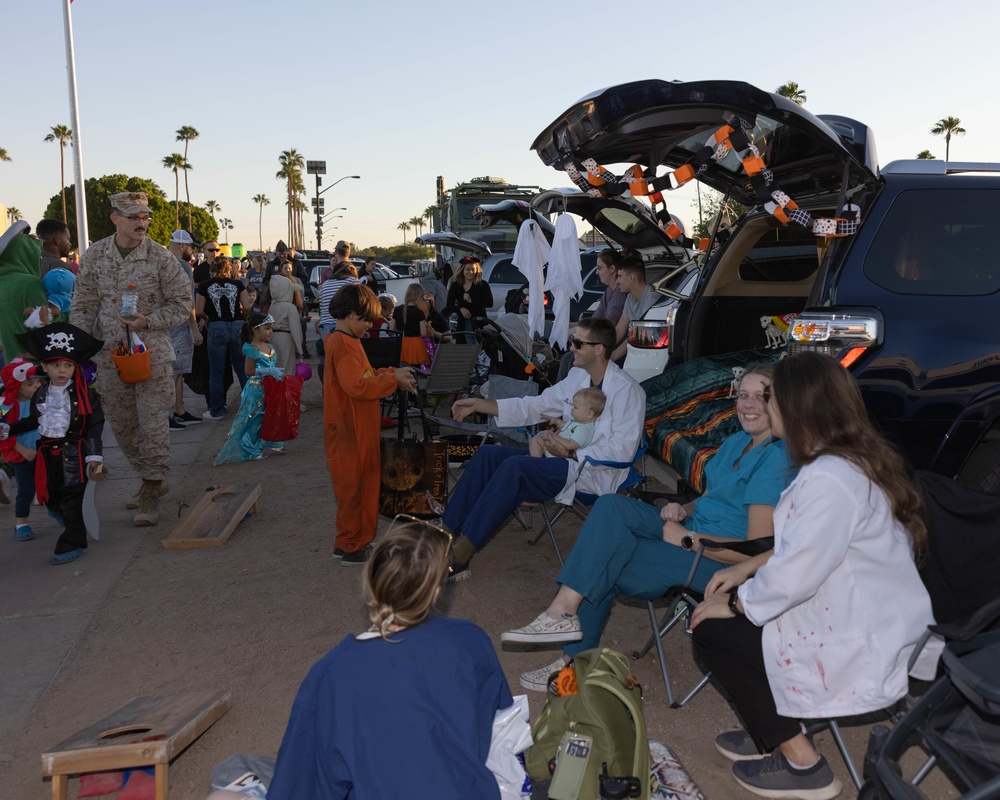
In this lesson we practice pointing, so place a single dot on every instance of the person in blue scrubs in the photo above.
(630, 547)
(405, 709)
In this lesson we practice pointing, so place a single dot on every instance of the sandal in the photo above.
(67, 557)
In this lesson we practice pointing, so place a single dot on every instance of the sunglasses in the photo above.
(579, 343)
(211, 249)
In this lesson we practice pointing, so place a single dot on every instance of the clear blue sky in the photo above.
(400, 92)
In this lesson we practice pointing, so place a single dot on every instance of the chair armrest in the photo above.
(746, 547)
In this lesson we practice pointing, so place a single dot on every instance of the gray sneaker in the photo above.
(737, 746)
(771, 776)
(538, 680)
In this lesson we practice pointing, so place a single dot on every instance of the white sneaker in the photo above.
(208, 415)
(545, 630)
(538, 680)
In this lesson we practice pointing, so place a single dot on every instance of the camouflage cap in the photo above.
(130, 202)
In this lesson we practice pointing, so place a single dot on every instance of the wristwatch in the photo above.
(687, 542)
(734, 598)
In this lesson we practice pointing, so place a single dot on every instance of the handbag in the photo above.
(414, 474)
(281, 409)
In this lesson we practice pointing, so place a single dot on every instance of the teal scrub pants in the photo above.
(620, 550)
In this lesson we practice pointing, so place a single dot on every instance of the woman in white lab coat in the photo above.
(824, 625)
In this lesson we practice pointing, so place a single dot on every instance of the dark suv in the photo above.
(905, 300)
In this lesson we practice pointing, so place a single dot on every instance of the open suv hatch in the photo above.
(905, 301)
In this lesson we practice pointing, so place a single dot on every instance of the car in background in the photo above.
(629, 223)
(498, 268)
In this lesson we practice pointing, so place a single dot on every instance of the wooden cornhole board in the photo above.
(145, 732)
(215, 516)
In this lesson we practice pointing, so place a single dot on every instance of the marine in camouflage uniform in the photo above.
(137, 412)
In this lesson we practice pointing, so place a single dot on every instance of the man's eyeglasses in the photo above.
(135, 217)
(579, 343)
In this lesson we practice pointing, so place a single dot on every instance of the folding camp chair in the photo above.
(385, 351)
(582, 501)
(451, 370)
(681, 601)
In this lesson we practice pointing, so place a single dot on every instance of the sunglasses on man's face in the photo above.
(579, 343)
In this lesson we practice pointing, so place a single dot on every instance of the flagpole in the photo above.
(74, 113)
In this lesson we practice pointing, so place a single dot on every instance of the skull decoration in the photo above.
(60, 341)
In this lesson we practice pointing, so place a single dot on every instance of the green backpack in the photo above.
(608, 708)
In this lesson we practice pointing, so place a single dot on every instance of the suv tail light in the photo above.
(651, 334)
(845, 335)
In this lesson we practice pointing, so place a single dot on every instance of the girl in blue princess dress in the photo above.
(244, 442)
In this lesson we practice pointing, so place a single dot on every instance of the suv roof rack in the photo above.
(933, 166)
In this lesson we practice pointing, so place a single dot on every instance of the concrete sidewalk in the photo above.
(44, 610)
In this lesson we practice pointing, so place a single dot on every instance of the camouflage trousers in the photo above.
(138, 416)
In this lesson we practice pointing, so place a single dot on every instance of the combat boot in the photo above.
(149, 503)
(133, 501)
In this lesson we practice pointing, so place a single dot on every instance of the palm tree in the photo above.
(418, 223)
(404, 227)
(292, 162)
(63, 135)
(429, 216)
(176, 162)
(792, 91)
(925, 154)
(225, 225)
(212, 207)
(3, 155)
(187, 134)
(14, 214)
(949, 126)
(261, 200)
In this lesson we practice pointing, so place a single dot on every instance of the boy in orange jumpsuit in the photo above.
(351, 420)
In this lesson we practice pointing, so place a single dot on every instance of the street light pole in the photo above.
(317, 168)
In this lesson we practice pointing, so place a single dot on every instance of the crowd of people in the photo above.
(820, 624)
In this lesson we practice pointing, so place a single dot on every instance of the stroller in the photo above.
(957, 721)
(514, 353)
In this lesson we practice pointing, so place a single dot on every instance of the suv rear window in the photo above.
(940, 242)
(788, 253)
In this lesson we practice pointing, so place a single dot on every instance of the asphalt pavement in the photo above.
(45, 610)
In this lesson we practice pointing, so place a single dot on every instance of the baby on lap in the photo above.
(576, 432)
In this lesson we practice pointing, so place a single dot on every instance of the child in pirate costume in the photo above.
(70, 421)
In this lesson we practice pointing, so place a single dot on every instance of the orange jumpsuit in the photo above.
(351, 434)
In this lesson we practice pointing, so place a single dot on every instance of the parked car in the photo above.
(905, 302)
(626, 222)
(498, 269)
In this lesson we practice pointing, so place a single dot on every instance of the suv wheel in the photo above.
(982, 470)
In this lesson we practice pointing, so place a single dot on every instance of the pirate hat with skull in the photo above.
(60, 341)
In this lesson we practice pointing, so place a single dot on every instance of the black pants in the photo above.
(66, 500)
(731, 649)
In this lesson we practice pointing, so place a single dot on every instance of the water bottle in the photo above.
(130, 302)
